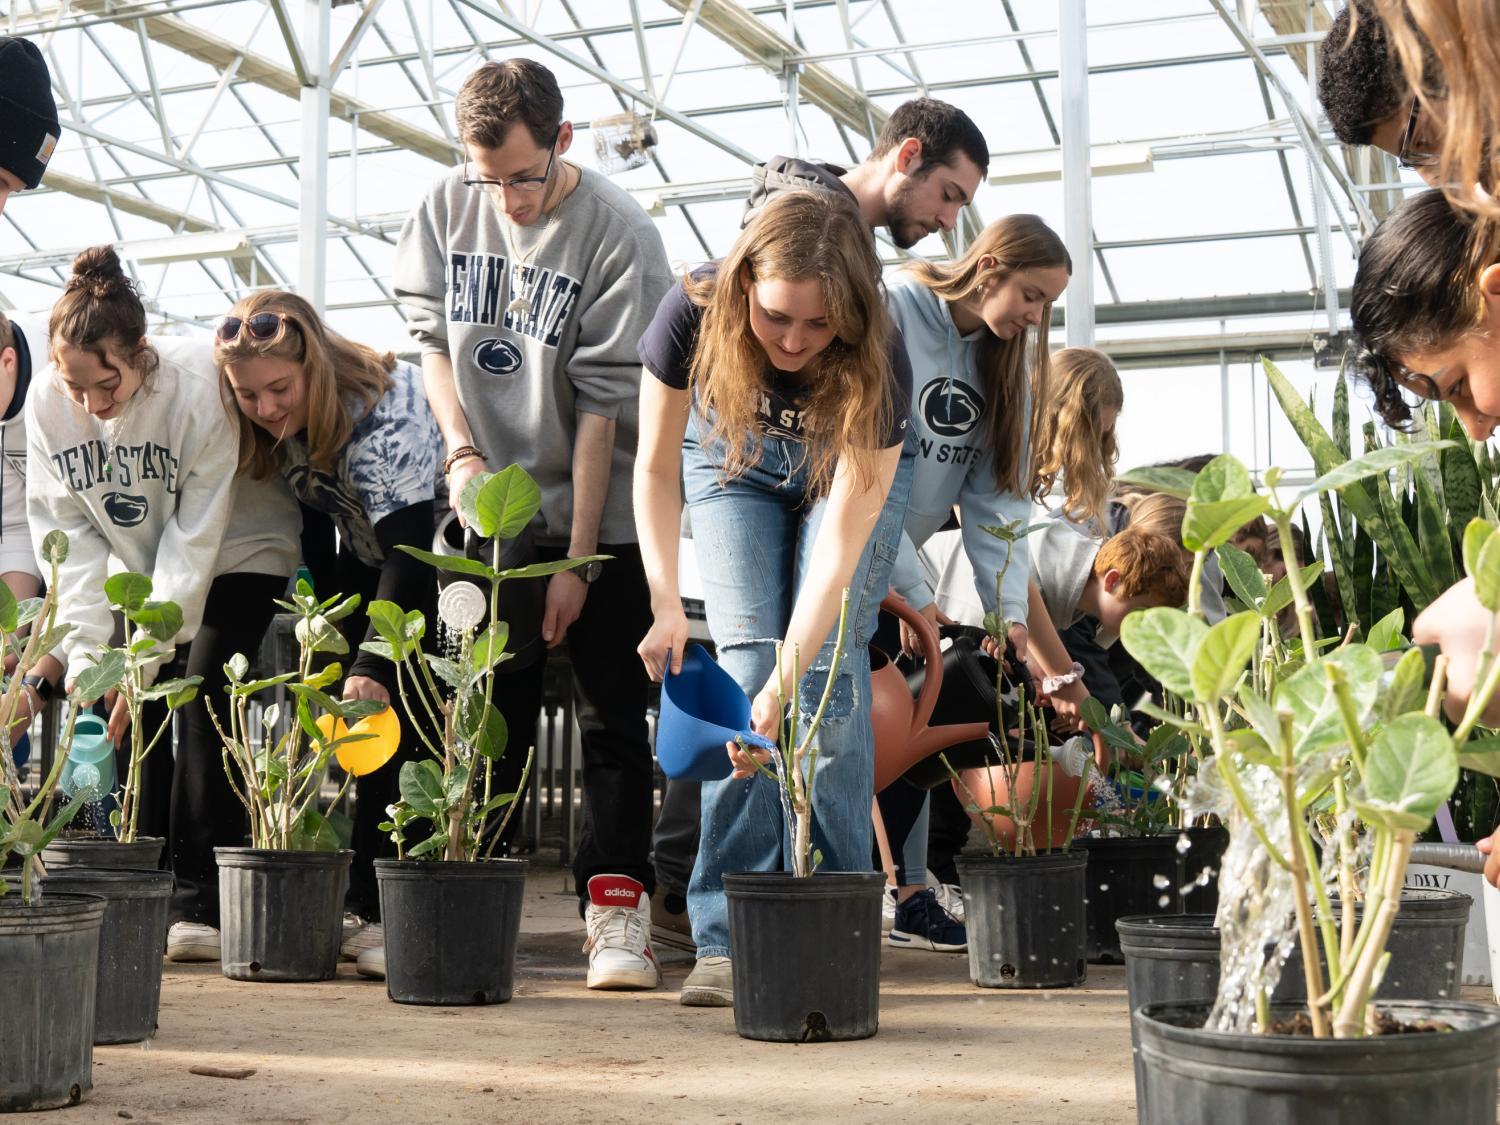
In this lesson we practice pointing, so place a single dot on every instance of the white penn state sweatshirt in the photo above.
(155, 491)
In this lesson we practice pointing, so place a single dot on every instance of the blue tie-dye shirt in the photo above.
(390, 463)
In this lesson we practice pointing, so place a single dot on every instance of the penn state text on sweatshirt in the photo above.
(953, 464)
(154, 489)
(594, 275)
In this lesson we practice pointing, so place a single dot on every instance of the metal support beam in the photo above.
(1078, 224)
(312, 242)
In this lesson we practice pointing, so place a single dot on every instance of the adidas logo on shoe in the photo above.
(619, 941)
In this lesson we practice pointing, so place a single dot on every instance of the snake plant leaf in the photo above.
(1401, 551)
(1223, 654)
(1432, 531)
(1376, 463)
(1165, 642)
(1341, 415)
(1244, 575)
(1411, 769)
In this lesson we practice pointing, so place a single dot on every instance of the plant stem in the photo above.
(1311, 968)
(1350, 1020)
(1195, 583)
(1294, 579)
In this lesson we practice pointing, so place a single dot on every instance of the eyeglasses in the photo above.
(262, 326)
(528, 183)
(1404, 155)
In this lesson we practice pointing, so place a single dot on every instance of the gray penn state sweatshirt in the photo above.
(594, 276)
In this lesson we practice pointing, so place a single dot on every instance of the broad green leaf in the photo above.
(1385, 635)
(127, 591)
(1487, 574)
(542, 569)
(318, 634)
(1223, 653)
(1410, 771)
(342, 825)
(1482, 755)
(457, 564)
(1281, 594)
(1013, 531)
(496, 803)
(1165, 743)
(456, 784)
(342, 610)
(27, 611)
(1244, 575)
(413, 625)
(422, 787)
(237, 668)
(505, 503)
(1248, 745)
(1317, 722)
(1211, 523)
(1223, 478)
(1478, 533)
(387, 619)
(1161, 478)
(315, 834)
(93, 682)
(489, 646)
(1260, 713)
(1165, 642)
(1404, 692)
(1376, 463)
(270, 681)
(450, 672)
(379, 648)
(59, 821)
(489, 734)
(436, 842)
(162, 620)
(10, 610)
(1161, 715)
(329, 674)
(311, 695)
(55, 548)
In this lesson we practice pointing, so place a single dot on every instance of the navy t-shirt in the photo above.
(666, 349)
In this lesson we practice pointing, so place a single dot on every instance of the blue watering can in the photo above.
(702, 708)
(91, 760)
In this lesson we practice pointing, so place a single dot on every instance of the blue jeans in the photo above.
(754, 535)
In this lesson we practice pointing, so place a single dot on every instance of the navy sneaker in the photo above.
(921, 923)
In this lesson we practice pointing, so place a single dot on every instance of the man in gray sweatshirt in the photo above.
(527, 281)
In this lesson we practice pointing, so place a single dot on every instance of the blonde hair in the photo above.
(1460, 41)
(1014, 243)
(1156, 512)
(1072, 443)
(848, 408)
(335, 371)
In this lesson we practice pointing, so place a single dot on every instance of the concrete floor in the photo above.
(341, 1051)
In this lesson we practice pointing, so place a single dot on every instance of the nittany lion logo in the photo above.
(498, 357)
(124, 509)
(950, 408)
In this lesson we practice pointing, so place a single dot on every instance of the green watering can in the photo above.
(91, 760)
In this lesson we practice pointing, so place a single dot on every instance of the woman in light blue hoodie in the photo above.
(976, 395)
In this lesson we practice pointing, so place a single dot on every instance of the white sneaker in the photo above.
(192, 941)
(888, 910)
(371, 962)
(369, 935)
(951, 899)
(619, 942)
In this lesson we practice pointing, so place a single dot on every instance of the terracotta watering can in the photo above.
(989, 787)
(902, 736)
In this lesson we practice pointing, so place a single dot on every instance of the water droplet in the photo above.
(1160, 882)
(1164, 901)
(1184, 844)
(1104, 886)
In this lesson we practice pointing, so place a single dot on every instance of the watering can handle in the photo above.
(932, 657)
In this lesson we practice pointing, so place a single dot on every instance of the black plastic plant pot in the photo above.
(1426, 947)
(131, 943)
(806, 958)
(1169, 957)
(1187, 1074)
(1025, 919)
(49, 964)
(281, 913)
(1134, 875)
(451, 929)
(141, 854)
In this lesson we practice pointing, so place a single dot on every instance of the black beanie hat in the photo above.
(28, 115)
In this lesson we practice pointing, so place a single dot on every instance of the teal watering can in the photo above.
(91, 760)
(702, 708)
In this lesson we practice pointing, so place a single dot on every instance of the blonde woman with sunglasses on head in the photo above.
(132, 452)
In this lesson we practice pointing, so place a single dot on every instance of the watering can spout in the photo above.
(90, 767)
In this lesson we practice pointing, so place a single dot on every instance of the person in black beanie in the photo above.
(28, 116)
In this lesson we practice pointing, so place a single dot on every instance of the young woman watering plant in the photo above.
(778, 402)
(350, 430)
(132, 453)
(981, 379)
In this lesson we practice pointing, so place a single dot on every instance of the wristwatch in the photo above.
(44, 688)
(589, 571)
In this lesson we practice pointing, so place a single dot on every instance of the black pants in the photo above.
(188, 799)
(900, 806)
(612, 693)
(674, 845)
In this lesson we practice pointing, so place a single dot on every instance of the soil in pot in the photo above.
(141, 854)
(451, 929)
(49, 964)
(281, 913)
(1025, 919)
(806, 955)
(1188, 1074)
(131, 944)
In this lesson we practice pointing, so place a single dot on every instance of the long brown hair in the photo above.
(1016, 242)
(335, 371)
(1071, 444)
(848, 407)
(100, 306)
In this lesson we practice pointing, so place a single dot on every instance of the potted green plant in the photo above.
(1305, 736)
(281, 898)
(451, 912)
(49, 947)
(130, 669)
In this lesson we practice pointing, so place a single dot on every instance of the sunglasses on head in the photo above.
(262, 326)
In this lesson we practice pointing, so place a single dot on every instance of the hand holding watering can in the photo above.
(703, 713)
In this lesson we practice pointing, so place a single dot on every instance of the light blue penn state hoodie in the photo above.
(953, 464)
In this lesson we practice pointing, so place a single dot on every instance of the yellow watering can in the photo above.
(364, 755)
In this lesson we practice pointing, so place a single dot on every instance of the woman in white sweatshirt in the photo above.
(976, 397)
(132, 452)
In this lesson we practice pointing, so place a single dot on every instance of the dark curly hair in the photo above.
(1413, 291)
(1359, 77)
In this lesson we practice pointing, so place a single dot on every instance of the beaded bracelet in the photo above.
(460, 454)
